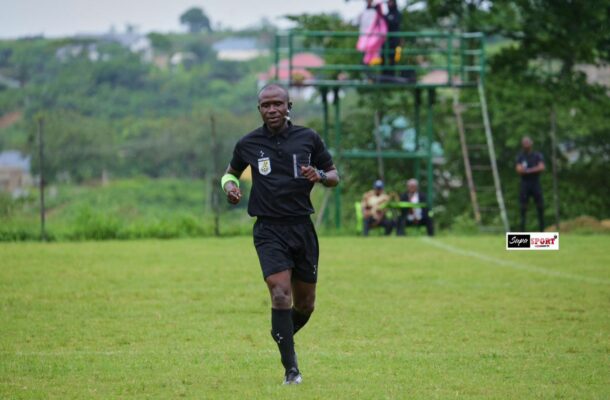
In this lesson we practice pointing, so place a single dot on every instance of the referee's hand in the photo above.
(233, 193)
(310, 173)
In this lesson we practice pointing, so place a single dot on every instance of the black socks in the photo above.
(298, 319)
(284, 325)
(282, 332)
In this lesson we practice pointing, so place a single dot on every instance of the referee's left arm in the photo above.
(328, 177)
(332, 177)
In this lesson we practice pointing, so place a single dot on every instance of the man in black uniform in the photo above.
(393, 19)
(529, 165)
(286, 161)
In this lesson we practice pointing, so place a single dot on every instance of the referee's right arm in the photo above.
(230, 185)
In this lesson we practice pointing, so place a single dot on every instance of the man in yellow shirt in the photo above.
(374, 211)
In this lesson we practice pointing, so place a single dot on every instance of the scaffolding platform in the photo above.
(425, 60)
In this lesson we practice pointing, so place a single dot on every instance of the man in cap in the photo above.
(374, 210)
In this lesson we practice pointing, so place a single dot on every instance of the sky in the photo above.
(57, 18)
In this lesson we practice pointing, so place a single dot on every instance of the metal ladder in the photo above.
(480, 165)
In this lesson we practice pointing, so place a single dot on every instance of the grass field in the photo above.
(396, 318)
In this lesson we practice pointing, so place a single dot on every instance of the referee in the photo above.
(286, 161)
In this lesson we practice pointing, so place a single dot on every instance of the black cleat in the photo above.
(293, 377)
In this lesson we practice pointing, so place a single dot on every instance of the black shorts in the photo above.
(285, 245)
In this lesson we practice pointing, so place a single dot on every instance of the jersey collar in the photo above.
(283, 133)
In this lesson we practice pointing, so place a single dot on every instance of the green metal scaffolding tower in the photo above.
(428, 61)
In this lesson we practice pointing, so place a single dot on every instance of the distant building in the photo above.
(300, 73)
(596, 74)
(87, 44)
(239, 49)
(15, 175)
(186, 59)
(7, 82)
(69, 51)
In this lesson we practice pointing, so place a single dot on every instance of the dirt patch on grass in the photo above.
(582, 224)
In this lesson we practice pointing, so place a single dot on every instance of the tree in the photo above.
(196, 20)
(554, 30)
(545, 29)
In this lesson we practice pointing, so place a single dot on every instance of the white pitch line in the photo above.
(513, 264)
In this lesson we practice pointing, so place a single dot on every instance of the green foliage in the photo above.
(20, 234)
(114, 82)
(160, 42)
(81, 146)
(112, 112)
(122, 68)
(544, 29)
(29, 59)
(121, 116)
(553, 30)
(125, 209)
(6, 205)
(524, 107)
(94, 225)
(522, 92)
(464, 224)
(202, 50)
(98, 225)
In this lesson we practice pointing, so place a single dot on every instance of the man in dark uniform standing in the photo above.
(393, 19)
(286, 161)
(529, 165)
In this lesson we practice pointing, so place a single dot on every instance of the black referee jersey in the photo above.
(278, 188)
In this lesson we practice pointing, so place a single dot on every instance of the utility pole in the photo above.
(554, 164)
(380, 169)
(40, 126)
(215, 181)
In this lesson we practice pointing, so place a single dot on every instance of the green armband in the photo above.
(226, 178)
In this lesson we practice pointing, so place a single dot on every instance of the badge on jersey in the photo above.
(264, 166)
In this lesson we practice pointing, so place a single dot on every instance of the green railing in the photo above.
(426, 59)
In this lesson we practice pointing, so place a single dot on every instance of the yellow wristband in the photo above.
(226, 178)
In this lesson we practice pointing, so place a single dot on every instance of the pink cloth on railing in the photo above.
(372, 41)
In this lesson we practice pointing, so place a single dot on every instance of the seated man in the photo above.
(373, 211)
(414, 216)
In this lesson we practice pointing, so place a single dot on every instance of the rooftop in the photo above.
(14, 159)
